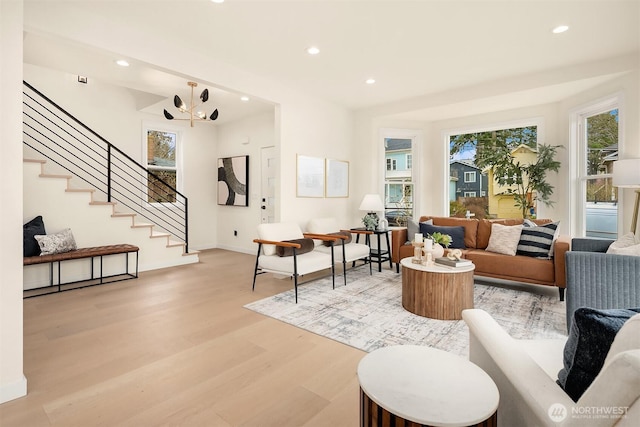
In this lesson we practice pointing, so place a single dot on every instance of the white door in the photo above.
(268, 184)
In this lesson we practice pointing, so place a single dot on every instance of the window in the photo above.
(398, 182)
(473, 148)
(598, 149)
(470, 177)
(162, 164)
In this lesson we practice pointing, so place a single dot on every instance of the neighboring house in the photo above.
(470, 180)
(398, 178)
(501, 203)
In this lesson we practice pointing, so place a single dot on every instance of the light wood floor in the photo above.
(176, 347)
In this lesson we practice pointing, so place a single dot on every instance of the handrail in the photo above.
(101, 164)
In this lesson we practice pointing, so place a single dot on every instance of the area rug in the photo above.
(367, 313)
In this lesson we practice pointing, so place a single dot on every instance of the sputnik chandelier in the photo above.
(194, 116)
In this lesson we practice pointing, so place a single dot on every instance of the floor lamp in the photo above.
(626, 174)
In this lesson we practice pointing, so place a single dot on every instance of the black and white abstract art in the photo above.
(233, 181)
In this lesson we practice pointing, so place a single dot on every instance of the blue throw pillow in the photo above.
(30, 246)
(590, 337)
(456, 233)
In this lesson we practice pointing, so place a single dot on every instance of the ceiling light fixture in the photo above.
(370, 81)
(560, 29)
(122, 63)
(194, 116)
(244, 98)
(218, 1)
(313, 50)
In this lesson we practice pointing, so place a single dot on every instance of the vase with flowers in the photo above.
(440, 241)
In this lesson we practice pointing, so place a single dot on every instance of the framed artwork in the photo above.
(337, 178)
(233, 181)
(310, 176)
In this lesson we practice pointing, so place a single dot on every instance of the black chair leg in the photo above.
(255, 270)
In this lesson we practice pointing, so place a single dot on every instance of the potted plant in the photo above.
(439, 240)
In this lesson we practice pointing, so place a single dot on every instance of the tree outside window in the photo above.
(162, 180)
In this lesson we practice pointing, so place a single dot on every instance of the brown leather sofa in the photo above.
(517, 268)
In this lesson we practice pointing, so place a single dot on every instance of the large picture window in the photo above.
(162, 164)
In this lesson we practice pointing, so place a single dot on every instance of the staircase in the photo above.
(76, 179)
(93, 223)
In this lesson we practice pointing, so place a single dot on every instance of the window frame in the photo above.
(475, 176)
(179, 135)
(578, 161)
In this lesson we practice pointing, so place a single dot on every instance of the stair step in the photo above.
(122, 214)
(34, 161)
(159, 235)
(141, 225)
(191, 253)
(173, 243)
(51, 175)
(99, 203)
(80, 190)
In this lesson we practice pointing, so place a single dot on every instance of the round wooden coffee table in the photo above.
(436, 291)
(426, 386)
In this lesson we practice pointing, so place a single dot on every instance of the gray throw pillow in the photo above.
(413, 228)
(306, 245)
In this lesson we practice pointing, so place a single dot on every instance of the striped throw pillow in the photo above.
(537, 241)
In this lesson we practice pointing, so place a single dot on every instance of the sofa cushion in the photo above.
(470, 227)
(590, 337)
(306, 245)
(518, 268)
(538, 241)
(484, 228)
(457, 234)
(30, 245)
(504, 239)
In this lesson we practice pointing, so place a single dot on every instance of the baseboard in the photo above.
(14, 390)
(239, 250)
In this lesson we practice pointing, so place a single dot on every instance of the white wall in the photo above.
(13, 384)
(259, 131)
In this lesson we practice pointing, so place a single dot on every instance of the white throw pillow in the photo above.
(633, 250)
(56, 243)
(504, 239)
(627, 241)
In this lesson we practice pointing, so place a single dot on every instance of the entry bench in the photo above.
(83, 253)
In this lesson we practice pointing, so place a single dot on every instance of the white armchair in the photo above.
(525, 372)
(345, 252)
(280, 235)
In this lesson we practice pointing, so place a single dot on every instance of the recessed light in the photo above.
(560, 29)
(370, 81)
(218, 1)
(122, 63)
(244, 98)
(313, 50)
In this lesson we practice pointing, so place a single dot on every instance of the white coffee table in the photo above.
(424, 385)
(436, 291)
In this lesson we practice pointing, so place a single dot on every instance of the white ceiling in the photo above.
(414, 49)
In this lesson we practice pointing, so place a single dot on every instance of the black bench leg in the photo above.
(561, 290)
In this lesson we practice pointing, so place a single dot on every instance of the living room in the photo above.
(301, 123)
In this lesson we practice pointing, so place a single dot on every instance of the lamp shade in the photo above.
(626, 173)
(371, 203)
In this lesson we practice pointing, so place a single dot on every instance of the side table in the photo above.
(426, 386)
(378, 255)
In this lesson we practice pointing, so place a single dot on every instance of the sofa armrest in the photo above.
(526, 391)
(560, 248)
(398, 238)
(586, 244)
(602, 281)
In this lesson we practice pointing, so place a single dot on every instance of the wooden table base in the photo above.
(437, 295)
(374, 415)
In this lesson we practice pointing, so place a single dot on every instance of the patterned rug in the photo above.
(367, 313)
